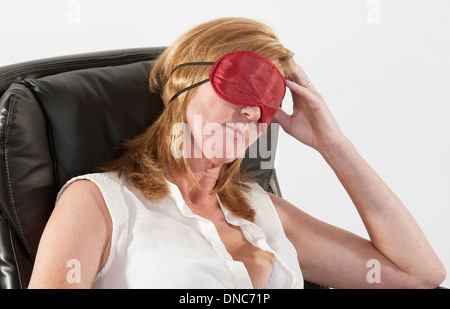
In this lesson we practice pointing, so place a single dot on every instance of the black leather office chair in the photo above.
(59, 118)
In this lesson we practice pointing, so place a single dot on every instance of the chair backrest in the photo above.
(61, 117)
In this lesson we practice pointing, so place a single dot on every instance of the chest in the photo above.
(167, 245)
(258, 262)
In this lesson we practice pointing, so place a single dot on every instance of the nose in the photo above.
(251, 112)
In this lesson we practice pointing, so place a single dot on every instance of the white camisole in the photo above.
(166, 245)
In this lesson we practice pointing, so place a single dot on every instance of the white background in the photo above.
(383, 67)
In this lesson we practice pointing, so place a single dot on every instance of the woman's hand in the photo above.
(311, 121)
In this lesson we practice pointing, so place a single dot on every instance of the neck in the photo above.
(206, 175)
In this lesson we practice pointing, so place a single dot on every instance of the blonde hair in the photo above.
(145, 157)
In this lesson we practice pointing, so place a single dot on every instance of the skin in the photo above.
(80, 226)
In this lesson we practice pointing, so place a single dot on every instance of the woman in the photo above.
(174, 212)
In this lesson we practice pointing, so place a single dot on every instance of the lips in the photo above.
(236, 130)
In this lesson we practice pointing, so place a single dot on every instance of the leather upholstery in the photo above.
(59, 118)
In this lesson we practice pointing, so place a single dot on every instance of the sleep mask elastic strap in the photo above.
(192, 86)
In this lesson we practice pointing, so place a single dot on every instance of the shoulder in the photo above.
(262, 203)
(91, 184)
(79, 228)
(86, 191)
(82, 202)
(258, 197)
(92, 192)
(261, 198)
(291, 216)
(82, 187)
(82, 194)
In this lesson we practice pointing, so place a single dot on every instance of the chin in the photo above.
(226, 158)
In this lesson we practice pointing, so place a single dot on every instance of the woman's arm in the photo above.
(334, 256)
(75, 242)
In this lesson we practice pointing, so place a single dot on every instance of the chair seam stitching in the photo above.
(10, 193)
(16, 259)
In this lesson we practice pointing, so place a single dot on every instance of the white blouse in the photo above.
(166, 245)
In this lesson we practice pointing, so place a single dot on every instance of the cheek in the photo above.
(202, 129)
(253, 137)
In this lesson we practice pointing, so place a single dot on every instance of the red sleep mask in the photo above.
(245, 78)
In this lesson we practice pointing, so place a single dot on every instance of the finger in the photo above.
(300, 90)
(310, 86)
(299, 76)
(283, 119)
